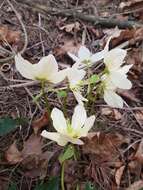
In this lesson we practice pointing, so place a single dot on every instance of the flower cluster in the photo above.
(113, 77)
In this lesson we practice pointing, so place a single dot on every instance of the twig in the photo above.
(102, 21)
(140, 124)
(25, 34)
(31, 83)
(40, 35)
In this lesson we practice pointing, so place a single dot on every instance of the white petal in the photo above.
(115, 34)
(75, 58)
(114, 59)
(58, 77)
(57, 137)
(108, 83)
(75, 76)
(97, 56)
(79, 97)
(120, 80)
(125, 69)
(25, 68)
(87, 126)
(112, 99)
(79, 117)
(59, 121)
(76, 141)
(84, 53)
(47, 66)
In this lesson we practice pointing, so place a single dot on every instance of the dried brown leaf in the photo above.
(139, 153)
(129, 94)
(132, 36)
(118, 175)
(104, 145)
(33, 146)
(10, 36)
(68, 46)
(106, 111)
(114, 113)
(31, 157)
(13, 155)
(136, 185)
(130, 3)
(40, 122)
(70, 27)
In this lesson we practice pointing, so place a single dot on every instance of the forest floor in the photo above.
(112, 158)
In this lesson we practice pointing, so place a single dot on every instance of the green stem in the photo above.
(45, 97)
(62, 176)
(88, 74)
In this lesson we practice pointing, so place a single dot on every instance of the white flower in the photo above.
(70, 131)
(75, 77)
(45, 69)
(110, 96)
(118, 75)
(86, 57)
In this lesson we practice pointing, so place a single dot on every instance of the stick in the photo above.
(103, 22)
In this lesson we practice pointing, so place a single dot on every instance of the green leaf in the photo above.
(12, 186)
(62, 93)
(7, 125)
(89, 186)
(94, 78)
(52, 184)
(68, 153)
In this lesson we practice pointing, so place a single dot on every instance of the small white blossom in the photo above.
(110, 95)
(75, 77)
(117, 73)
(85, 57)
(69, 131)
(45, 69)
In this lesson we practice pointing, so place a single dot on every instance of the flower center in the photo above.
(71, 132)
(86, 62)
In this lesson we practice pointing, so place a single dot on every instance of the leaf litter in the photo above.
(107, 159)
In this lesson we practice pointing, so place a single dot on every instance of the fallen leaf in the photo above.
(139, 116)
(117, 114)
(32, 159)
(132, 36)
(130, 3)
(118, 175)
(104, 145)
(10, 36)
(129, 94)
(33, 146)
(68, 46)
(114, 113)
(13, 155)
(139, 153)
(40, 122)
(70, 27)
(106, 111)
(136, 185)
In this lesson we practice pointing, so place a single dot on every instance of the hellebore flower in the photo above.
(85, 57)
(116, 73)
(69, 131)
(46, 69)
(75, 77)
(110, 96)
